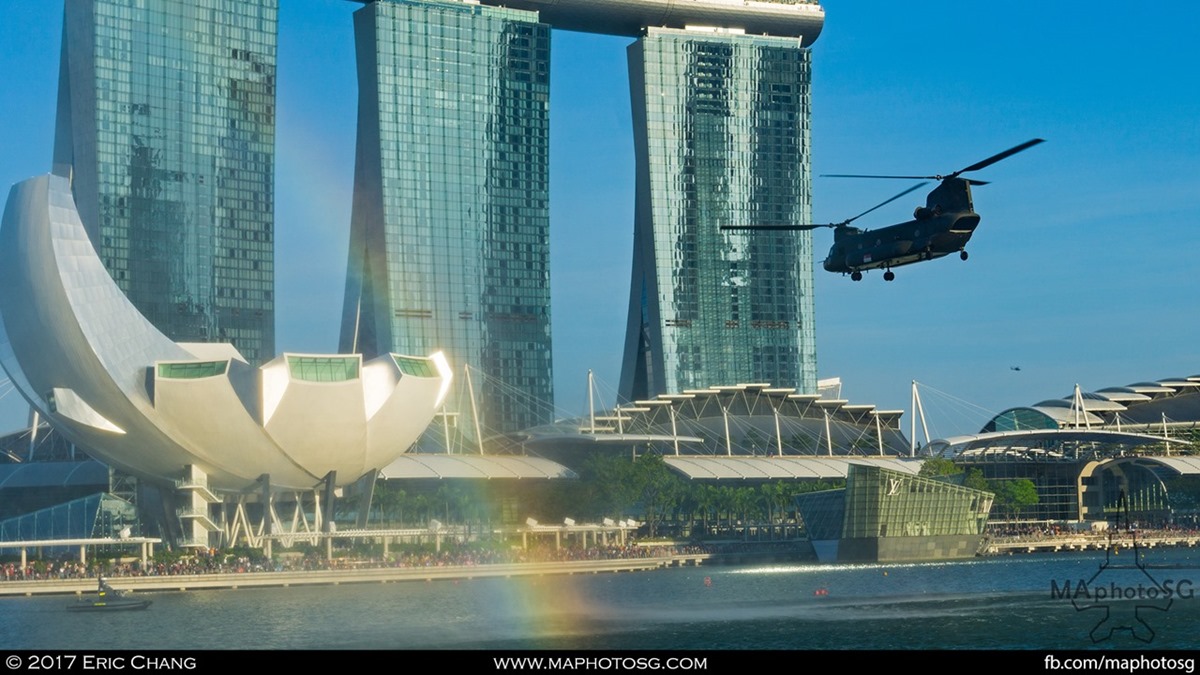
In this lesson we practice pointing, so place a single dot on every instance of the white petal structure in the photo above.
(84, 357)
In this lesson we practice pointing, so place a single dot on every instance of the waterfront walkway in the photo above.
(334, 577)
(1086, 542)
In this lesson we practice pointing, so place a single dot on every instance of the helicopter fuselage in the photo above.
(856, 250)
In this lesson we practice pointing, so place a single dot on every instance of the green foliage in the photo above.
(975, 480)
(657, 489)
(1183, 492)
(938, 466)
(1014, 495)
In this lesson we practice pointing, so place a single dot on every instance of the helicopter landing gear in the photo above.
(963, 255)
(856, 276)
(889, 275)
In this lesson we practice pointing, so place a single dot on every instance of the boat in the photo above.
(108, 604)
(108, 599)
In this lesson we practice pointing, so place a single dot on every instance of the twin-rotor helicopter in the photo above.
(941, 227)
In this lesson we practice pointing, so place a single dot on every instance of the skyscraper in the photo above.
(721, 123)
(166, 126)
(449, 240)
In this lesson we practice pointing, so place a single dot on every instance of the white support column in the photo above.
(674, 430)
(918, 410)
(778, 433)
(828, 433)
(196, 498)
(1080, 409)
(728, 439)
(592, 406)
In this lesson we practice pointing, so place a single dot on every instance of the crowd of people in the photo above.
(245, 561)
(213, 561)
(1037, 531)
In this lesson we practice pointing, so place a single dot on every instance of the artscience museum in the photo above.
(187, 416)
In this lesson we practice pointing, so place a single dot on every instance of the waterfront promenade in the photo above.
(635, 559)
(1087, 542)
(334, 577)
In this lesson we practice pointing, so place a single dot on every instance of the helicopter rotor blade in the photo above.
(807, 227)
(974, 167)
(860, 175)
(889, 201)
(779, 228)
(999, 156)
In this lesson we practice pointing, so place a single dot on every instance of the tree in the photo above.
(390, 500)
(975, 480)
(1015, 495)
(938, 466)
(614, 488)
(658, 490)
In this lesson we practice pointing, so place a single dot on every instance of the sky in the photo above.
(1081, 270)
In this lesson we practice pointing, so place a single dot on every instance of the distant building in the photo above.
(450, 228)
(166, 125)
(1098, 455)
(721, 124)
(890, 516)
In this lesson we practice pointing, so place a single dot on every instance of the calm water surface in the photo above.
(988, 603)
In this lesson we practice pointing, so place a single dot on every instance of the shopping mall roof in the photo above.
(1042, 444)
(779, 468)
(1148, 406)
(419, 465)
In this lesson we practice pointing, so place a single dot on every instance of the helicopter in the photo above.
(941, 227)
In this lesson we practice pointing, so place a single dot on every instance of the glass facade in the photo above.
(192, 370)
(721, 138)
(449, 245)
(415, 367)
(885, 503)
(1019, 419)
(100, 515)
(166, 125)
(324, 368)
(887, 515)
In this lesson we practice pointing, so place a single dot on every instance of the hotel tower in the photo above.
(450, 227)
(166, 128)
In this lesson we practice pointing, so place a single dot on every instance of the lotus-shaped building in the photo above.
(168, 412)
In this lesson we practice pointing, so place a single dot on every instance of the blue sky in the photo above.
(1081, 270)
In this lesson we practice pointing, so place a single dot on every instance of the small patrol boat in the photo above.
(108, 600)
(108, 604)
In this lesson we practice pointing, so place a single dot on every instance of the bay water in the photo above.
(1029, 601)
